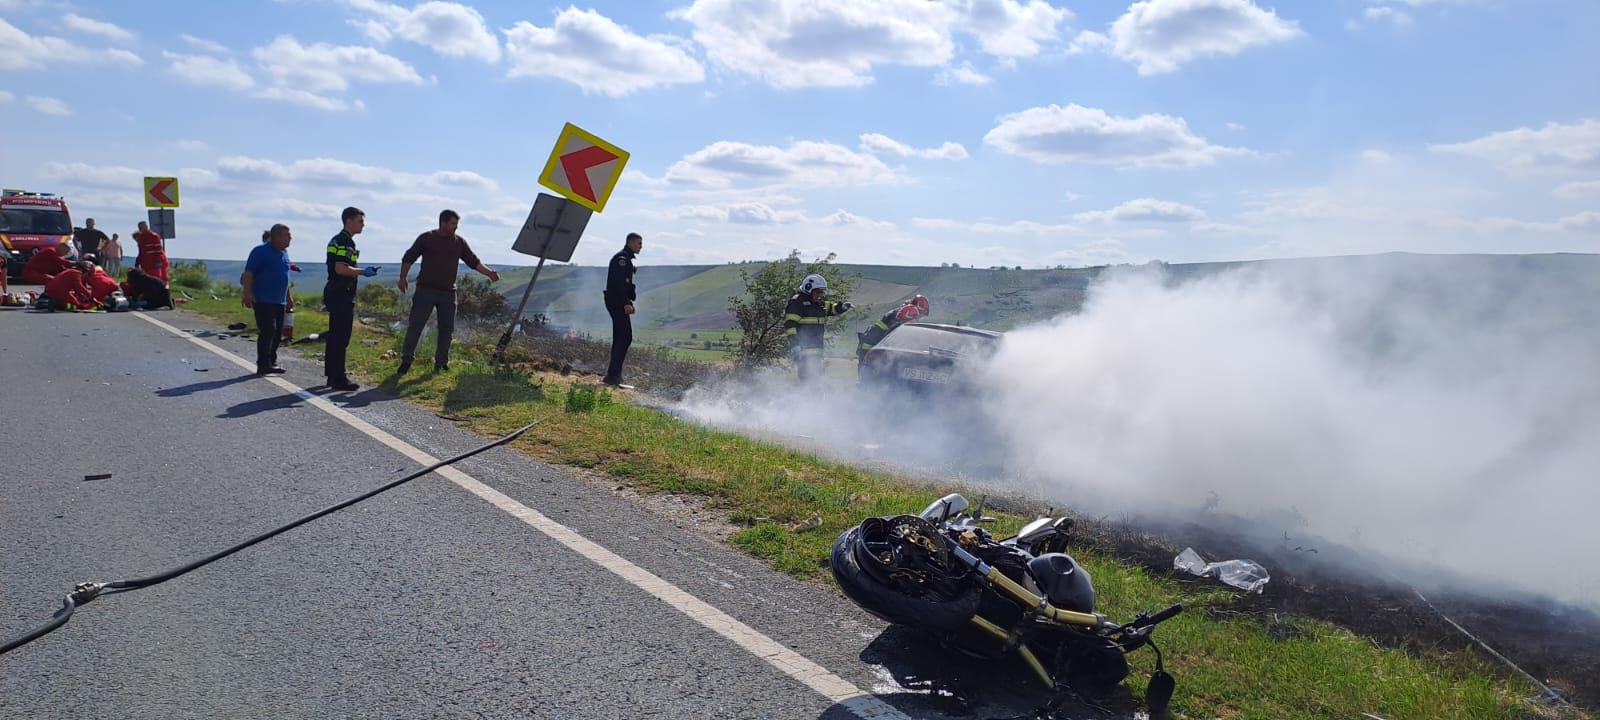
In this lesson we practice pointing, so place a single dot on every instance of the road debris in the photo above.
(97, 476)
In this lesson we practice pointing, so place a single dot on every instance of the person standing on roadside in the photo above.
(266, 290)
(440, 251)
(152, 253)
(111, 255)
(89, 239)
(339, 295)
(619, 296)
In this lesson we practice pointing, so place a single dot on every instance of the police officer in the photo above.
(914, 309)
(619, 296)
(339, 295)
(804, 321)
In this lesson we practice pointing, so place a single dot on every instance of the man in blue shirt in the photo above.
(266, 290)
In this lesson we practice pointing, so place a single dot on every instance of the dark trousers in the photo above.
(269, 331)
(423, 304)
(341, 318)
(621, 338)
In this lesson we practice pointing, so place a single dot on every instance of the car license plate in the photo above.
(925, 375)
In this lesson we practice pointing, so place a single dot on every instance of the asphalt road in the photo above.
(424, 602)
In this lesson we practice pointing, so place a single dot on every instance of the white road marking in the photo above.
(836, 689)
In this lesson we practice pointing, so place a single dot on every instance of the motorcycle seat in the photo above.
(1065, 584)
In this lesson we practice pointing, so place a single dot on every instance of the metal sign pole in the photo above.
(505, 338)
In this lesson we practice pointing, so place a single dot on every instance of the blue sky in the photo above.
(983, 132)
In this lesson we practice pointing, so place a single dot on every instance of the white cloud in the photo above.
(760, 214)
(878, 144)
(834, 43)
(1581, 190)
(204, 44)
(1387, 14)
(1162, 35)
(1145, 210)
(725, 164)
(303, 98)
(48, 105)
(1008, 28)
(125, 57)
(207, 70)
(110, 177)
(321, 67)
(21, 51)
(595, 53)
(1552, 147)
(1375, 156)
(6, 97)
(194, 146)
(1236, 127)
(1015, 227)
(449, 28)
(1072, 196)
(101, 28)
(1088, 41)
(334, 173)
(1076, 134)
(964, 74)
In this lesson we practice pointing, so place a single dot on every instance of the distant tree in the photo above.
(767, 292)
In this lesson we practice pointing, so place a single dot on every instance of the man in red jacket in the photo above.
(46, 264)
(68, 290)
(101, 285)
(152, 252)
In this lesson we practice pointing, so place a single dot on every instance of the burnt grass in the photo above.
(1312, 577)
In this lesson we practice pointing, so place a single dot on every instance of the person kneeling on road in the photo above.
(804, 321)
(101, 285)
(146, 291)
(68, 289)
(46, 264)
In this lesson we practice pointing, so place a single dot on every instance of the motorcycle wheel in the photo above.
(928, 611)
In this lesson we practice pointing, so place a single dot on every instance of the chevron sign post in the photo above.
(583, 168)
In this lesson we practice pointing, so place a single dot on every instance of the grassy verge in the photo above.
(1229, 665)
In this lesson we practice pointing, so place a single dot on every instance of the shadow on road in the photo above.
(246, 409)
(193, 388)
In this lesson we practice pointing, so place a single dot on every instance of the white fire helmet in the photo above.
(813, 282)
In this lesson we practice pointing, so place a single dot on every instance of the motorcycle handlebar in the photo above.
(1159, 617)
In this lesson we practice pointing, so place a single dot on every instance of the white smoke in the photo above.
(1444, 414)
(1445, 410)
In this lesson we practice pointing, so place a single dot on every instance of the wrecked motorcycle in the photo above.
(941, 572)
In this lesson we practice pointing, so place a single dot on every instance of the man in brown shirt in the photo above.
(440, 250)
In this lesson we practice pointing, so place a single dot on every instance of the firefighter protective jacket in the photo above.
(804, 321)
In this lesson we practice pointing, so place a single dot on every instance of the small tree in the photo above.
(476, 301)
(760, 310)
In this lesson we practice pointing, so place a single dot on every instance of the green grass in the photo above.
(1229, 664)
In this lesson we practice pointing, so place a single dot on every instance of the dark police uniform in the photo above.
(619, 293)
(804, 323)
(339, 295)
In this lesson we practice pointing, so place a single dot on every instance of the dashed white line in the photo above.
(836, 689)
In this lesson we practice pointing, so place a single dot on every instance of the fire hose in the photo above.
(86, 592)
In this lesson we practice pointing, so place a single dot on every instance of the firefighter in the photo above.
(67, 290)
(913, 310)
(46, 264)
(804, 321)
(339, 295)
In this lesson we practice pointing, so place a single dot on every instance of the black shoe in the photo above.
(613, 382)
(343, 385)
(274, 370)
(405, 367)
(441, 367)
